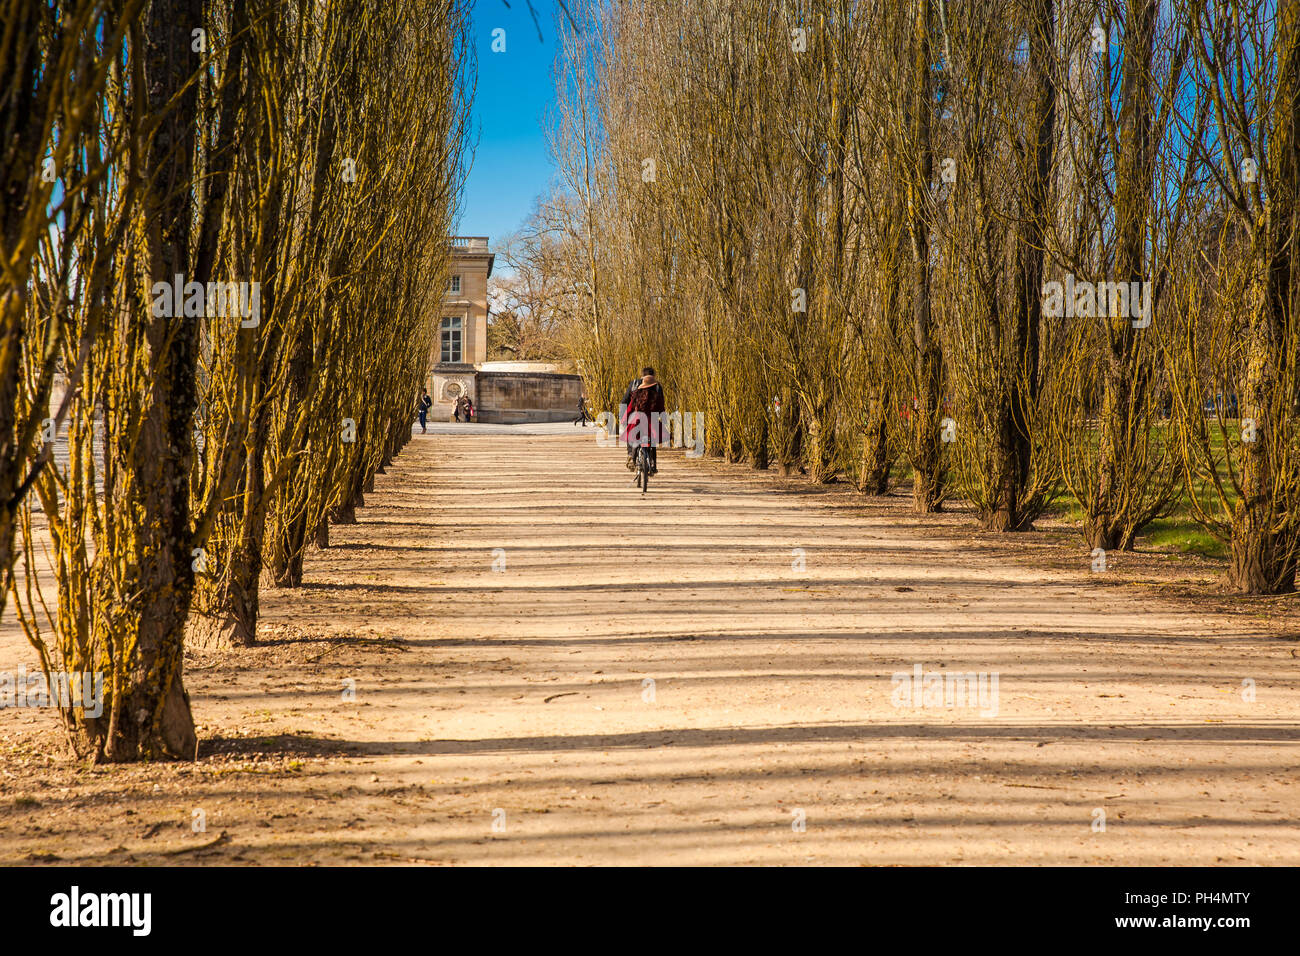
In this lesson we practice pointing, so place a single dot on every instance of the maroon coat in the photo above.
(645, 400)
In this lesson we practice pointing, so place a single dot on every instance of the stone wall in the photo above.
(512, 397)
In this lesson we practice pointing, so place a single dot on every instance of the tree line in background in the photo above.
(1013, 250)
(225, 233)
(530, 299)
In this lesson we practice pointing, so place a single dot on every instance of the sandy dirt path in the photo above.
(550, 668)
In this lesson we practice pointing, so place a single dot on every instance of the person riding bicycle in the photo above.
(644, 399)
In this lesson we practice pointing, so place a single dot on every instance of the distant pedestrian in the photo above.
(422, 409)
(583, 417)
(469, 409)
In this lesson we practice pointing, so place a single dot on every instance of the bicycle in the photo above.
(643, 467)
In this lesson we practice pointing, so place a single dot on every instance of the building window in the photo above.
(453, 284)
(451, 339)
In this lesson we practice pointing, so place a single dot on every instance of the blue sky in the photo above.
(515, 91)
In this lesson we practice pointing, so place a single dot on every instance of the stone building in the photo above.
(504, 392)
(462, 333)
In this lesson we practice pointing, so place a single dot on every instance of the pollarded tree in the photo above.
(56, 59)
(167, 472)
(1115, 453)
(1002, 111)
(1237, 378)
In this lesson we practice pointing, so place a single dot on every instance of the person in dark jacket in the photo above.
(583, 417)
(644, 408)
(422, 409)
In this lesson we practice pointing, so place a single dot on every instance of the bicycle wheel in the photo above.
(645, 470)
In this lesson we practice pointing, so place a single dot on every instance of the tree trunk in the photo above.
(1112, 522)
(144, 587)
(877, 462)
(22, 124)
(762, 455)
(1012, 508)
(927, 465)
(1264, 533)
(228, 602)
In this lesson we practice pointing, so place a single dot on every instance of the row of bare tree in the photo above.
(225, 234)
(1006, 248)
(531, 299)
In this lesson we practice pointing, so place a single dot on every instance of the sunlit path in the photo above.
(618, 679)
